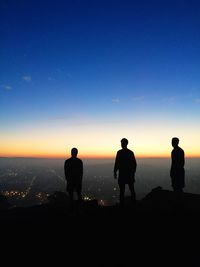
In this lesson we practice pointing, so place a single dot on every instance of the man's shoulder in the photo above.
(128, 151)
(181, 150)
(120, 151)
(125, 151)
(67, 161)
(77, 160)
(71, 160)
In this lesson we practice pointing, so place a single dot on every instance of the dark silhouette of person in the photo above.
(125, 164)
(73, 168)
(177, 171)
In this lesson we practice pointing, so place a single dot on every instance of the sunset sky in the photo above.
(86, 74)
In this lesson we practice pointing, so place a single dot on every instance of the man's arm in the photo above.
(183, 159)
(81, 169)
(65, 170)
(116, 167)
(134, 163)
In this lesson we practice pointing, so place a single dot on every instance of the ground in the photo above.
(160, 229)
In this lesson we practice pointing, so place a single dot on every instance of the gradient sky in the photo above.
(88, 73)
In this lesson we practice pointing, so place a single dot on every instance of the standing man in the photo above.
(126, 164)
(74, 174)
(177, 171)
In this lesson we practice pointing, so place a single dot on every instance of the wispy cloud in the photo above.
(115, 100)
(7, 87)
(197, 100)
(27, 78)
(138, 98)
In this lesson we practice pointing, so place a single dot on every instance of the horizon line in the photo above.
(88, 157)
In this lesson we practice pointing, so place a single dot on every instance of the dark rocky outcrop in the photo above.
(157, 202)
(162, 229)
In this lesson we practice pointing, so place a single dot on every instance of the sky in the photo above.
(86, 74)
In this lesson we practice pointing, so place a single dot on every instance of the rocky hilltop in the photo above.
(158, 202)
(159, 230)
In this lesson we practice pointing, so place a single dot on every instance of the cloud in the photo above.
(6, 87)
(115, 100)
(197, 100)
(27, 78)
(138, 98)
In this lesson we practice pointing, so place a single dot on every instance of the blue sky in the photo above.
(104, 62)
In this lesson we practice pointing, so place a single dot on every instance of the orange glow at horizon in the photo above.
(87, 156)
(38, 151)
(97, 142)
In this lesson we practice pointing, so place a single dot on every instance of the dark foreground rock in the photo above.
(160, 230)
(158, 202)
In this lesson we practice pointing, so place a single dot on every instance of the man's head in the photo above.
(175, 141)
(74, 152)
(124, 143)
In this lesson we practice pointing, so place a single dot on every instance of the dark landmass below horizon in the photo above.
(158, 229)
(157, 202)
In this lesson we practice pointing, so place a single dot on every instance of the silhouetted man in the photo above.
(126, 164)
(74, 174)
(177, 171)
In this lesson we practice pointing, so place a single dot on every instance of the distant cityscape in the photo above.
(27, 182)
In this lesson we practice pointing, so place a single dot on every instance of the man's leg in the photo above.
(132, 190)
(79, 195)
(79, 191)
(69, 190)
(71, 198)
(122, 191)
(71, 195)
(178, 193)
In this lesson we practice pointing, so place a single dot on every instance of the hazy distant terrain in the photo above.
(29, 181)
